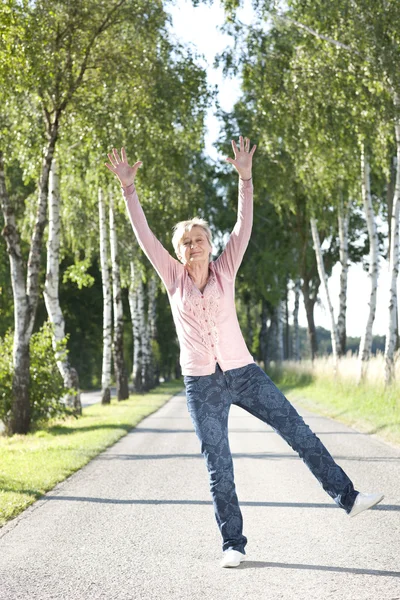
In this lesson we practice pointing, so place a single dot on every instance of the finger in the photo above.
(123, 155)
(241, 143)
(235, 148)
(253, 150)
(112, 160)
(230, 160)
(116, 156)
(109, 167)
(247, 144)
(136, 166)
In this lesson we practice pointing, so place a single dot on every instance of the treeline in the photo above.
(320, 97)
(321, 94)
(77, 80)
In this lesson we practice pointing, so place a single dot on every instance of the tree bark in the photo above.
(18, 420)
(287, 325)
(324, 281)
(145, 339)
(391, 334)
(51, 294)
(279, 340)
(264, 333)
(366, 339)
(25, 296)
(343, 219)
(296, 333)
(107, 304)
(309, 304)
(152, 323)
(137, 346)
(121, 375)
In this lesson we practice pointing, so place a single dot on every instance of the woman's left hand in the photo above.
(243, 157)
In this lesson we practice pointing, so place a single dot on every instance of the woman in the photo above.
(217, 367)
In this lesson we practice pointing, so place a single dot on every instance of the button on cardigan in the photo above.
(206, 322)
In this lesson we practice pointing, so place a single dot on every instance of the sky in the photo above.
(201, 27)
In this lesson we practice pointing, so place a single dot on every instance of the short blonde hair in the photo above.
(183, 226)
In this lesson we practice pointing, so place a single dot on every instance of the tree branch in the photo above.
(102, 27)
(318, 35)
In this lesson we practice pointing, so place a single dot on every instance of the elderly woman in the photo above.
(217, 367)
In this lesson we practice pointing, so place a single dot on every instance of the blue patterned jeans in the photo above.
(209, 398)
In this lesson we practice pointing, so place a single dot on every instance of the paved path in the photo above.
(137, 522)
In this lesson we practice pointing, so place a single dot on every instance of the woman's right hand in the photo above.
(121, 169)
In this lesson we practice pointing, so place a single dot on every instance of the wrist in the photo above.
(245, 176)
(126, 184)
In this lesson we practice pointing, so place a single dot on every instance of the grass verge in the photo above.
(367, 407)
(33, 464)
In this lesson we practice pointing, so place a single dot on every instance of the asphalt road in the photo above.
(137, 522)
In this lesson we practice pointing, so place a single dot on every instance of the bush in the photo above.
(46, 388)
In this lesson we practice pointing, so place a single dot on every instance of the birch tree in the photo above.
(324, 281)
(136, 330)
(51, 292)
(373, 272)
(152, 324)
(137, 350)
(393, 264)
(343, 227)
(118, 341)
(296, 335)
(107, 303)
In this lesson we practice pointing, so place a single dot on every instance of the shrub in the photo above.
(46, 388)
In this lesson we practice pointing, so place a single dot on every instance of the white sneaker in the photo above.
(232, 558)
(363, 502)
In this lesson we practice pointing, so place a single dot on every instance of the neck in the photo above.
(198, 271)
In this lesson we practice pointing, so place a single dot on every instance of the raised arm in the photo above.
(165, 265)
(232, 256)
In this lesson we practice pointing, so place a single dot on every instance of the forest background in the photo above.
(319, 94)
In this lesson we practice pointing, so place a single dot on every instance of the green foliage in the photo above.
(78, 274)
(46, 388)
(6, 370)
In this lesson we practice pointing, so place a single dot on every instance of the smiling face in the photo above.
(194, 246)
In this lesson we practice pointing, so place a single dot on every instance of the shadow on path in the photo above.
(384, 507)
(236, 455)
(254, 564)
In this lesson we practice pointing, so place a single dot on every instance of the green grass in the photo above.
(33, 464)
(368, 408)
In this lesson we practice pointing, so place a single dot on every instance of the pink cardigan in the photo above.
(206, 323)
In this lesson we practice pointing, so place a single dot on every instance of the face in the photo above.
(194, 246)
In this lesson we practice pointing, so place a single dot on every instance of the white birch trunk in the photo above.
(324, 282)
(51, 292)
(25, 296)
(393, 264)
(137, 347)
(119, 363)
(152, 325)
(280, 344)
(366, 339)
(144, 338)
(107, 302)
(152, 308)
(296, 333)
(343, 219)
(22, 324)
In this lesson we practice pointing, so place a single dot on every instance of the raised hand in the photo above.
(121, 169)
(243, 157)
